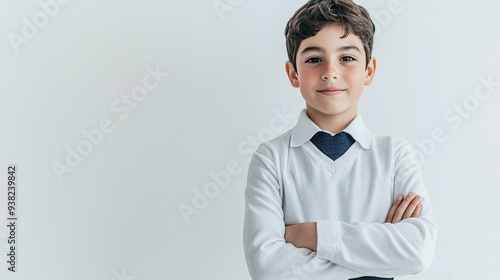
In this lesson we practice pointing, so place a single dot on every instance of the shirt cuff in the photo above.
(328, 239)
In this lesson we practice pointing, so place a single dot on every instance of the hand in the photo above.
(302, 235)
(410, 207)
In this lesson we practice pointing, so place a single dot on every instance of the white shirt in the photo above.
(291, 181)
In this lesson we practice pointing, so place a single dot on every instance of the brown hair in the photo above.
(315, 14)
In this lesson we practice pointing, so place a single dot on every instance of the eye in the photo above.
(347, 58)
(313, 60)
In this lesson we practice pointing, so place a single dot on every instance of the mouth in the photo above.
(331, 91)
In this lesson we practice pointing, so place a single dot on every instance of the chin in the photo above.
(333, 114)
(333, 111)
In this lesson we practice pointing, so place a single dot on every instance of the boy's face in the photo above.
(331, 73)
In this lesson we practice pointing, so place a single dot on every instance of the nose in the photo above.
(330, 72)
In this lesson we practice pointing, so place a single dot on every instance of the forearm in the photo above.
(302, 235)
(378, 249)
(369, 248)
(267, 254)
(279, 260)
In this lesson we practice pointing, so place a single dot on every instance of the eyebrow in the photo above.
(341, 49)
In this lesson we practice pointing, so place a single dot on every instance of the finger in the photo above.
(397, 202)
(398, 215)
(416, 214)
(412, 206)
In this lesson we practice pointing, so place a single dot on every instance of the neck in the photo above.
(331, 123)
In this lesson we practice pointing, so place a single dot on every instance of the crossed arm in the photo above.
(333, 249)
(304, 235)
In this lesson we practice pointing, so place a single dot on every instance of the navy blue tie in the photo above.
(333, 146)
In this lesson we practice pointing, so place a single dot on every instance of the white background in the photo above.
(116, 215)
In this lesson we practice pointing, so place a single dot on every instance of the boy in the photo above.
(318, 197)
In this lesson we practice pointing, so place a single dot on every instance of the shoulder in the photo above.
(389, 142)
(401, 152)
(270, 155)
(396, 148)
(275, 146)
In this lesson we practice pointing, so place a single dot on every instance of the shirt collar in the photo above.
(305, 129)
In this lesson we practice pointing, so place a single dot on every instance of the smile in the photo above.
(331, 91)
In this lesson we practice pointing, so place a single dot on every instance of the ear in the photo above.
(292, 74)
(370, 71)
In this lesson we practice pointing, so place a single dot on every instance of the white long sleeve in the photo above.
(290, 181)
(267, 254)
(385, 249)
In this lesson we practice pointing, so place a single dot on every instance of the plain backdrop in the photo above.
(115, 214)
